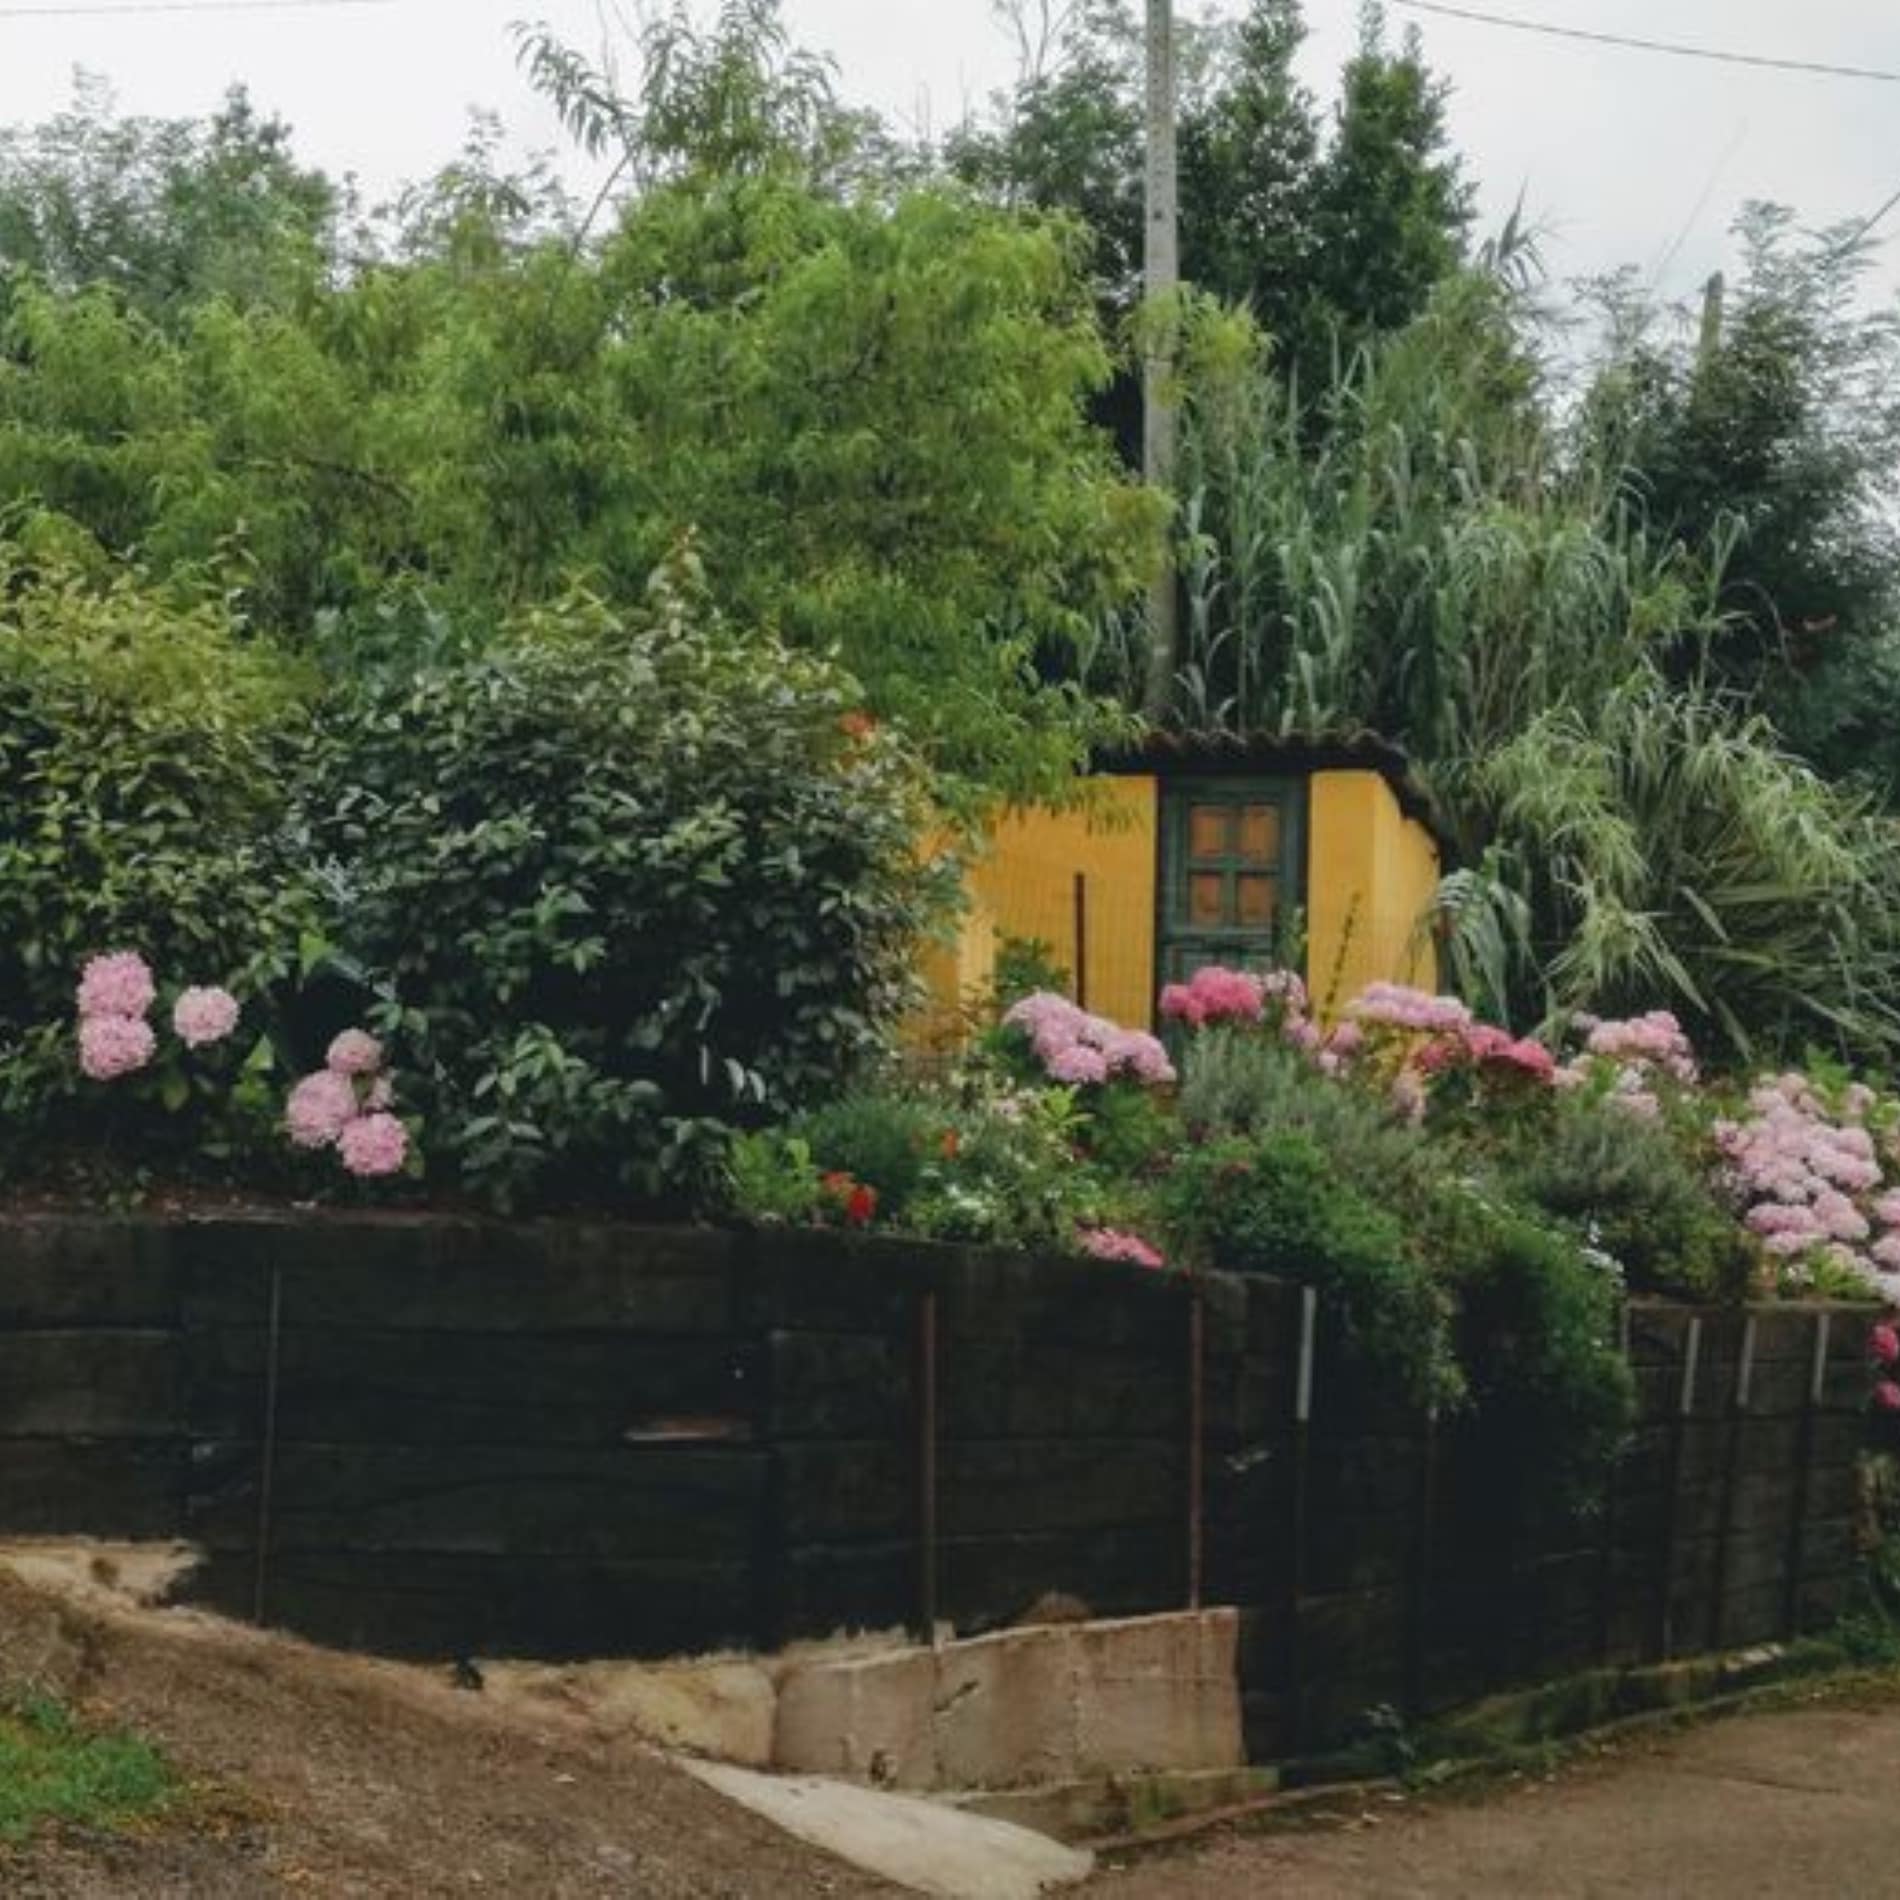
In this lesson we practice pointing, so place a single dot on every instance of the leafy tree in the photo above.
(870, 408)
(1772, 434)
(166, 213)
(1326, 238)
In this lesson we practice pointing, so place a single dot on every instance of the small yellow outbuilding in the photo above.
(1189, 853)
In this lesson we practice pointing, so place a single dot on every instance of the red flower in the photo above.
(857, 725)
(860, 1207)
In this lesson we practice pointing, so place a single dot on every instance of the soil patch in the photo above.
(309, 1772)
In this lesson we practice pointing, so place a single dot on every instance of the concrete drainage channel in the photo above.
(960, 1769)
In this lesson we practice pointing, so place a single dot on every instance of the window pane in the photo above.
(1207, 899)
(1256, 901)
(1210, 831)
(1260, 834)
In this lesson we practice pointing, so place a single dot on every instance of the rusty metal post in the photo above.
(927, 1475)
(1418, 1610)
(267, 1454)
(1731, 1473)
(1804, 1460)
(1302, 1449)
(1672, 1502)
(1612, 1513)
(1197, 1447)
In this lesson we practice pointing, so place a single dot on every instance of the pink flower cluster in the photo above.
(1213, 996)
(1639, 1058)
(1107, 1243)
(1655, 1040)
(1812, 1179)
(345, 1105)
(116, 994)
(1397, 1006)
(1078, 1050)
(1883, 1347)
(1495, 1051)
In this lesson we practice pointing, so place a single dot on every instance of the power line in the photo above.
(89, 11)
(1626, 41)
(1867, 224)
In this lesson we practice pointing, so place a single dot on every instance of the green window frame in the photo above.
(1232, 873)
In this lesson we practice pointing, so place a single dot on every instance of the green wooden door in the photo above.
(1231, 873)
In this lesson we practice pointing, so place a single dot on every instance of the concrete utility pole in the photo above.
(1163, 272)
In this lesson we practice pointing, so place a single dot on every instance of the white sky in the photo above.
(1622, 156)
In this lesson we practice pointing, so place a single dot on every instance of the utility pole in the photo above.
(1163, 274)
(1714, 297)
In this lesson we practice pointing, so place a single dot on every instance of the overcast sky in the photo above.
(1623, 157)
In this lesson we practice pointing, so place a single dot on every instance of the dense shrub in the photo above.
(143, 752)
(1626, 1186)
(1276, 1205)
(1233, 1083)
(622, 888)
(1536, 1332)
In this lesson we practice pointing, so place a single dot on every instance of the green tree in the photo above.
(1324, 236)
(164, 212)
(1772, 433)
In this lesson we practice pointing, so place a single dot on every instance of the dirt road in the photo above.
(1802, 1805)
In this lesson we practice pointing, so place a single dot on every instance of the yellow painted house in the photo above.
(1189, 853)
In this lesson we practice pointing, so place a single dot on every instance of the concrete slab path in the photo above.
(1795, 1805)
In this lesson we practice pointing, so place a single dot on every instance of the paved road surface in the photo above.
(1802, 1805)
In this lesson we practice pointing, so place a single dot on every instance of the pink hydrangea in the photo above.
(204, 1016)
(1135, 1053)
(1399, 1006)
(112, 1046)
(1656, 1039)
(373, 1146)
(1078, 1066)
(1887, 1396)
(1107, 1243)
(1214, 995)
(1884, 1344)
(320, 1108)
(355, 1052)
(118, 984)
(1078, 1049)
(1886, 1252)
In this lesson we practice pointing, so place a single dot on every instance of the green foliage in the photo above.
(1276, 1205)
(1674, 851)
(884, 1138)
(1329, 234)
(145, 752)
(1237, 1083)
(624, 886)
(1537, 1336)
(870, 408)
(164, 213)
(771, 1177)
(53, 1771)
(1772, 430)
(1627, 1188)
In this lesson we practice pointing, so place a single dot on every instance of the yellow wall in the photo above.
(1025, 887)
(1371, 871)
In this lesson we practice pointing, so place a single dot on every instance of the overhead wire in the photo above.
(118, 9)
(1634, 43)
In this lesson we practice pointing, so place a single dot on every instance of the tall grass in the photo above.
(1424, 549)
